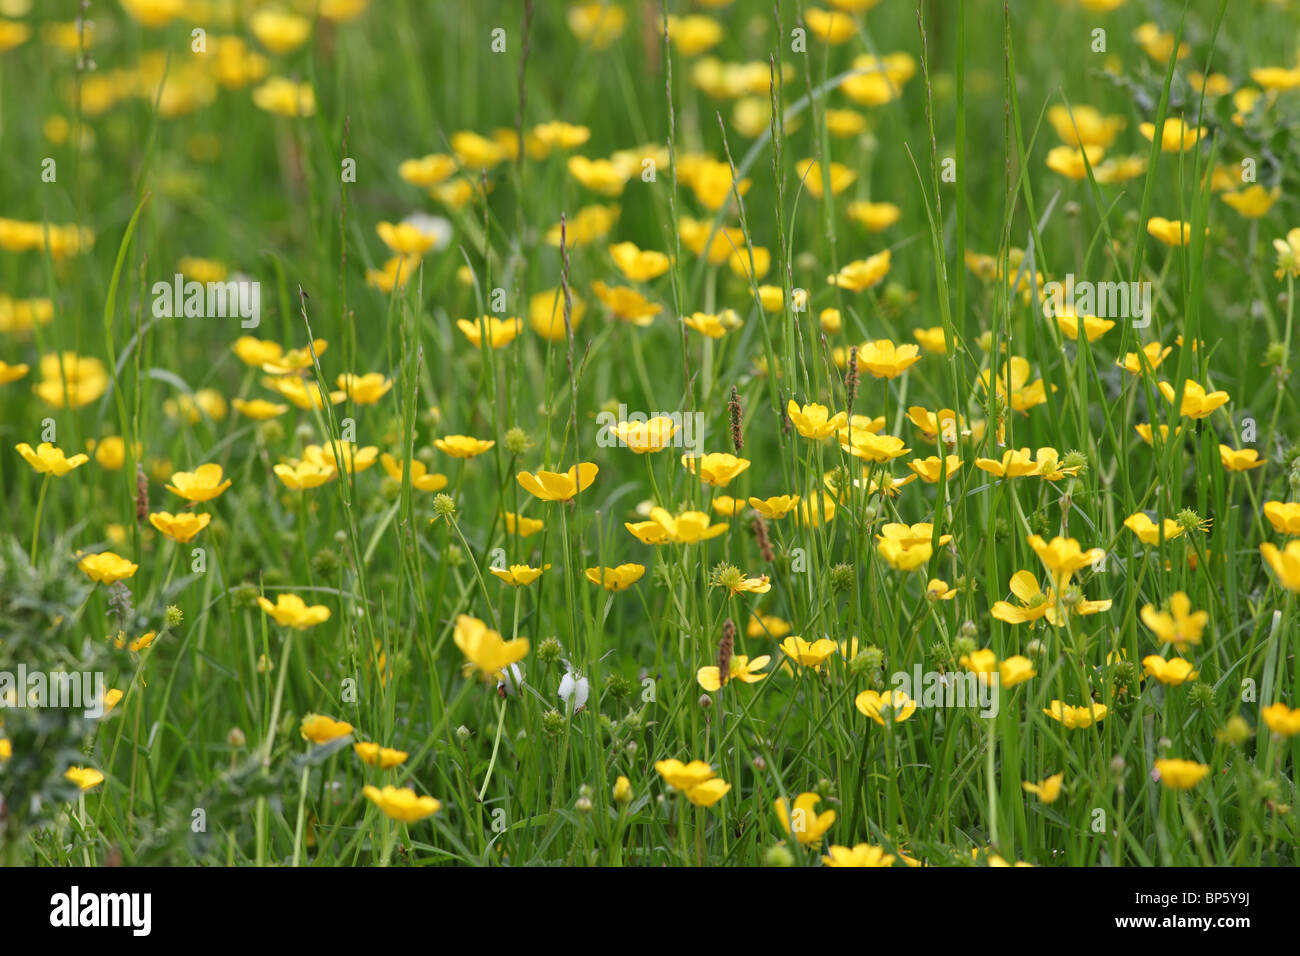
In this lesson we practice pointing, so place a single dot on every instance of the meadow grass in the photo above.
(1117, 608)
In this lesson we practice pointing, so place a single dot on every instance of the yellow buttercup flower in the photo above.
(907, 547)
(546, 314)
(395, 273)
(983, 662)
(559, 135)
(202, 484)
(804, 823)
(401, 803)
(285, 97)
(1014, 464)
(485, 650)
(695, 235)
(1284, 516)
(519, 575)
(713, 184)
(928, 469)
(589, 225)
(696, 781)
(750, 264)
(1093, 328)
(153, 13)
(598, 175)
(637, 264)
(809, 173)
(289, 610)
(894, 704)
(1285, 564)
(776, 507)
(862, 274)
(689, 527)
(830, 26)
(1172, 672)
(653, 532)
(1017, 669)
(1240, 459)
(716, 469)
(861, 854)
(1073, 162)
(1075, 718)
(1176, 136)
(279, 32)
(320, 729)
(521, 525)
(179, 527)
(365, 389)
(303, 394)
(1197, 403)
(427, 171)
(648, 436)
(883, 359)
(341, 456)
(477, 152)
(107, 567)
(259, 409)
(598, 24)
(48, 460)
(712, 325)
(1179, 625)
(1063, 557)
(1288, 255)
(1149, 532)
(874, 216)
(767, 625)
(1171, 232)
(86, 778)
(301, 475)
(708, 793)
(1012, 384)
(462, 446)
(626, 303)
(1154, 354)
(808, 653)
(1081, 125)
(1176, 774)
(421, 478)
(871, 447)
(1281, 719)
(69, 380)
(558, 486)
(682, 776)
(815, 421)
(616, 579)
(1254, 202)
(373, 755)
(500, 332)
(846, 124)
(1045, 790)
(740, 668)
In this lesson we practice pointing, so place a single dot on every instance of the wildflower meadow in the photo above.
(797, 433)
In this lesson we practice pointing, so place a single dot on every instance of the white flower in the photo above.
(435, 227)
(574, 690)
(514, 680)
